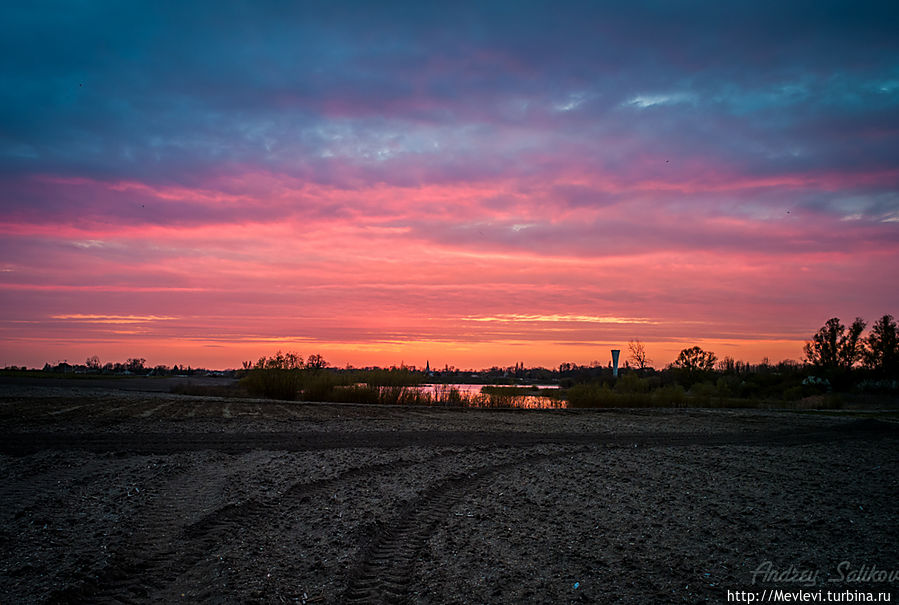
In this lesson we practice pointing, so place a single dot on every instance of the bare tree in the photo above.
(638, 354)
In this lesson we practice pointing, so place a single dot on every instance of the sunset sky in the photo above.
(464, 183)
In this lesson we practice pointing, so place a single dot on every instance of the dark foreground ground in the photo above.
(130, 496)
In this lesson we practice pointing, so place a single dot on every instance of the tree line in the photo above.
(836, 347)
(837, 357)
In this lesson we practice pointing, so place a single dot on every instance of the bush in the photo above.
(318, 386)
(595, 395)
(669, 396)
(631, 383)
(273, 383)
(292, 384)
(726, 386)
(356, 393)
(702, 393)
(794, 393)
(590, 395)
(402, 395)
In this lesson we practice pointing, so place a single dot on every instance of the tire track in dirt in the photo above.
(158, 549)
(385, 568)
(154, 560)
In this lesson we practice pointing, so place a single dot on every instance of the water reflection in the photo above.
(494, 396)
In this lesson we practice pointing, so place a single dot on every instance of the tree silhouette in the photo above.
(135, 364)
(280, 361)
(834, 347)
(695, 358)
(316, 362)
(882, 353)
(638, 354)
(852, 348)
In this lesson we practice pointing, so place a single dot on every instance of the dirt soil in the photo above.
(110, 495)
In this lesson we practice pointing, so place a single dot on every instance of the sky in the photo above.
(462, 183)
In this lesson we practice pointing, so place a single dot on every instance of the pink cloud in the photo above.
(397, 269)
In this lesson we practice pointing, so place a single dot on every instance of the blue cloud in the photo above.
(166, 92)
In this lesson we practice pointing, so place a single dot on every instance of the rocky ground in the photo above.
(111, 495)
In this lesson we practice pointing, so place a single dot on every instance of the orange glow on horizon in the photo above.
(462, 355)
(470, 274)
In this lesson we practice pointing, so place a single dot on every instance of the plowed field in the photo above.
(110, 496)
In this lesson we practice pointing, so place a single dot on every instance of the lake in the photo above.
(498, 395)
